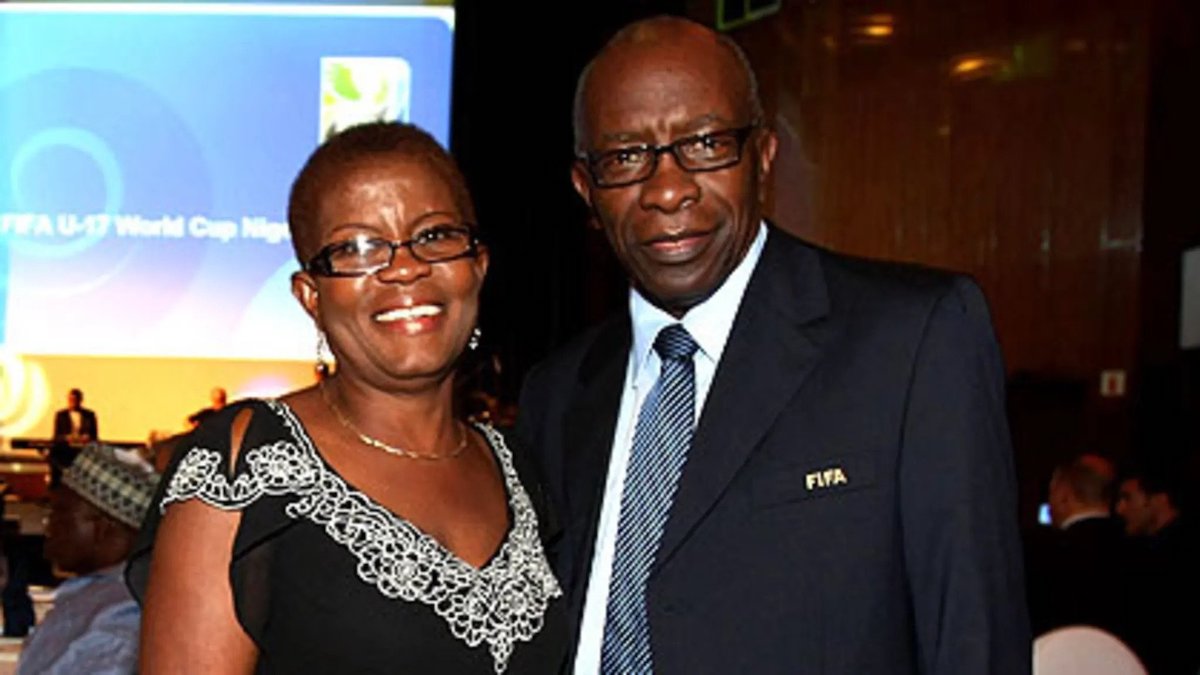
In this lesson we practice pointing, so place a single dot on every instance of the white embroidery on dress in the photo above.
(501, 604)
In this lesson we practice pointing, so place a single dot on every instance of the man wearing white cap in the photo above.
(94, 516)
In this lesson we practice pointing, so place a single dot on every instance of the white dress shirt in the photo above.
(709, 324)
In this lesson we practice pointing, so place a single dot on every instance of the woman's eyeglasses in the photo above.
(365, 255)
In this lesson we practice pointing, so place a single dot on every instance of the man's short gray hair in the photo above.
(649, 30)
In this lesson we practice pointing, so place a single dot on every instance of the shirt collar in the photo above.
(1084, 515)
(709, 322)
(83, 580)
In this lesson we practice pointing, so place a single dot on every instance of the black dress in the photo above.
(327, 580)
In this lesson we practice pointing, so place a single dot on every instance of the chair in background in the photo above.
(1083, 650)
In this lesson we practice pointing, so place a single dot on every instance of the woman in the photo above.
(358, 525)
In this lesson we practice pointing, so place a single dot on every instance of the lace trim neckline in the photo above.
(491, 437)
(501, 603)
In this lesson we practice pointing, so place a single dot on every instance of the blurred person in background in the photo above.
(218, 399)
(74, 426)
(1164, 578)
(1075, 569)
(94, 518)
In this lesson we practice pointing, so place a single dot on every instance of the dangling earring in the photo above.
(476, 335)
(323, 367)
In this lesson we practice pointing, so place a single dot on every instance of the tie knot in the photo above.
(674, 342)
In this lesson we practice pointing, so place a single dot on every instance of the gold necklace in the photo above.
(391, 449)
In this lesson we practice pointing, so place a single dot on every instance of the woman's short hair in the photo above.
(346, 148)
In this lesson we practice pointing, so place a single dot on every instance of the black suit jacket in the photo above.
(87, 424)
(769, 563)
(1164, 595)
(1079, 575)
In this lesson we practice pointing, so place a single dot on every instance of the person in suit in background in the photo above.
(218, 399)
(74, 427)
(75, 424)
(779, 459)
(1076, 569)
(1165, 557)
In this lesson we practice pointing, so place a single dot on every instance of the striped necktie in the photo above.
(661, 439)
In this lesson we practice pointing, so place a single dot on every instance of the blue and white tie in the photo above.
(661, 440)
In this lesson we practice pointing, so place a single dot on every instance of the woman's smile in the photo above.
(411, 320)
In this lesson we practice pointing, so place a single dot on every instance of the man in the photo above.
(1163, 584)
(1076, 569)
(818, 479)
(74, 426)
(94, 517)
(1148, 504)
(217, 400)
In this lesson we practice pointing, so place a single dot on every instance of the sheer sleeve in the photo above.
(255, 484)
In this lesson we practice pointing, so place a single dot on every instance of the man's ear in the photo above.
(103, 525)
(768, 144)
(583, 187)
(104, 528)
(304, 289)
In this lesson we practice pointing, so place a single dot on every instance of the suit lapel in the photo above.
(776, 340)
(588, 436)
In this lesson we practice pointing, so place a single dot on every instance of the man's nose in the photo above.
(670, 187)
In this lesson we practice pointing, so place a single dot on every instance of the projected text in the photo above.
(94, 225)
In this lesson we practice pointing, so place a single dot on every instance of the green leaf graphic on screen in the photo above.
(383, 93)
(343, 83)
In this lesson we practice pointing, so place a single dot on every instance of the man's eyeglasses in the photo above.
(365, 255)
(635, 163)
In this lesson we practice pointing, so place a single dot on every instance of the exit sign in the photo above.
(734, 13)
